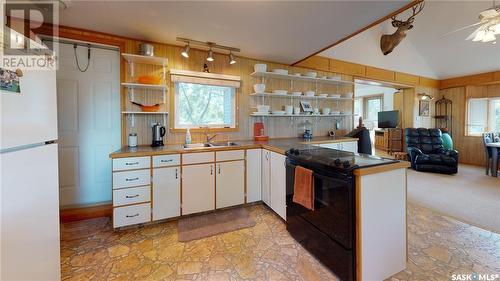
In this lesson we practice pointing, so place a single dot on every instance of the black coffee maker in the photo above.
(158, 133)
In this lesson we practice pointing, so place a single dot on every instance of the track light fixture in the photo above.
(185, 52)
(210, 55)
(210, 46)
(231, 58)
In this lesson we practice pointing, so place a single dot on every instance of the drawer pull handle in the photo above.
(132, 196)
(176, 174)
(132, 163)
(133, 179)
(131, 216)
(211, 170)
(166, 161)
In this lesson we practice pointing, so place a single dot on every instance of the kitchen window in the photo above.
(203, 105)
(204, 100)
(372, 106)
(483, 115)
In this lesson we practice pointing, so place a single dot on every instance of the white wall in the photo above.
(364, 48)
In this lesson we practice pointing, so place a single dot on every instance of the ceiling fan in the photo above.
(489, 26)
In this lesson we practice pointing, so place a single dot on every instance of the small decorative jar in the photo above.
(132, 139)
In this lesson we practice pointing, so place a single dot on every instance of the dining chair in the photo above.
(489, 138)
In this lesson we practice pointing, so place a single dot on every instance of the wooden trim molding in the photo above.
(404, 8)
(475, 79)
(85, 212)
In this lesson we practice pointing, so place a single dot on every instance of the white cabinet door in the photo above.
(198, 188)
(350, 146)
(266, 177)
(254, 175)
(278, 184)
(166, 193)
(333, 145)
(230, 184)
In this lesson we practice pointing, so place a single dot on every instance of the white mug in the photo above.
(296, 110)
(326, 111)
(316, 110)
(288, 110)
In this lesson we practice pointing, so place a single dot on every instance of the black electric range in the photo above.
(329, 231)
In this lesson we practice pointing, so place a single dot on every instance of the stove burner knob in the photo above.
(337, 162)
(294, 151)
(346, 164)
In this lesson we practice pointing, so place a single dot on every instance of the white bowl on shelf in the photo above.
(260, 67)
(280, 92)
(297, 74)
(257, 113)
(335, 96)
(280, 71)
(323, 95)
(278, 112)
(311, 74)
(334, 78)
(309, 93)
(296, 94)
(259, 88)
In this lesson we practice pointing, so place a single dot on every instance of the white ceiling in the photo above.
(280, 31)
(425, 51)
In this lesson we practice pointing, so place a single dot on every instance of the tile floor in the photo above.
(91, 250)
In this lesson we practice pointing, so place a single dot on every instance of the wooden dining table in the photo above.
(495, 146)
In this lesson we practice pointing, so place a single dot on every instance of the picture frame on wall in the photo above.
(424, 108)
(9, 81)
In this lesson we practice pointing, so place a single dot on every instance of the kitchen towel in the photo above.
(303, 187)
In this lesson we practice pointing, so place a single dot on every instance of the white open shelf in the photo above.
(143, 112)
(301, 78)
(273, 95)
(143, 86)
(132, 58)
(301, 115)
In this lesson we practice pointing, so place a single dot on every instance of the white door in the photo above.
(278, 184)
(30, 214)
(88, 105)
(230, 184)
(166, 193)
(198, 188)
(254, 175)
(266, 177)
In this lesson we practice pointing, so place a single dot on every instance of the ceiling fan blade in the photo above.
(473, 34)
(462, 28)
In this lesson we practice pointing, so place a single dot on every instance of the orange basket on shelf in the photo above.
(148, 108)
(149, 79)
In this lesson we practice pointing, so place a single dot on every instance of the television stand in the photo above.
(389, 140)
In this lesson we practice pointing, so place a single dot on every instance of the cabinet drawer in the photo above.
(200, 157)
(166, 160)
(229, 155)
(131, 163)
(132, 195)
(131, 178)
(130, 215)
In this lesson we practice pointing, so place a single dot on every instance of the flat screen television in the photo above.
(388, 119)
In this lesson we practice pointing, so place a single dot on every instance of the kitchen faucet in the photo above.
(209, 138)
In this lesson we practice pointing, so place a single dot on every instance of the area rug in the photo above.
(206, 225)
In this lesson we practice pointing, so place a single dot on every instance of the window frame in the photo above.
(365, 104)
(489, 107)
(174, 112)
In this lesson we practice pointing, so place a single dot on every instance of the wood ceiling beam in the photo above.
(404, 8)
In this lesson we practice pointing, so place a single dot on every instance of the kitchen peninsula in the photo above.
(152, 184)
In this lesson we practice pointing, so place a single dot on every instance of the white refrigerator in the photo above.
(29, 218)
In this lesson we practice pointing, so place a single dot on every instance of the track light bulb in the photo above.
(210, 55)
(231, 58)
(185, 52)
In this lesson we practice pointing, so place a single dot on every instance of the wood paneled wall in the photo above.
(275, 127)
(470, 147)
(369, 72)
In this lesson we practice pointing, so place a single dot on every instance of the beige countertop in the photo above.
(276, 145)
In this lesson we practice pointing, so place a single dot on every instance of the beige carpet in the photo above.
(205, 225)
(470, 196)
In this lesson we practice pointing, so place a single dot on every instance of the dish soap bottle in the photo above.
(188, 136)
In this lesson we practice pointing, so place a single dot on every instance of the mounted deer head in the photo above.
(389, 42)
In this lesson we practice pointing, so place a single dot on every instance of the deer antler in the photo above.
(416, 9)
